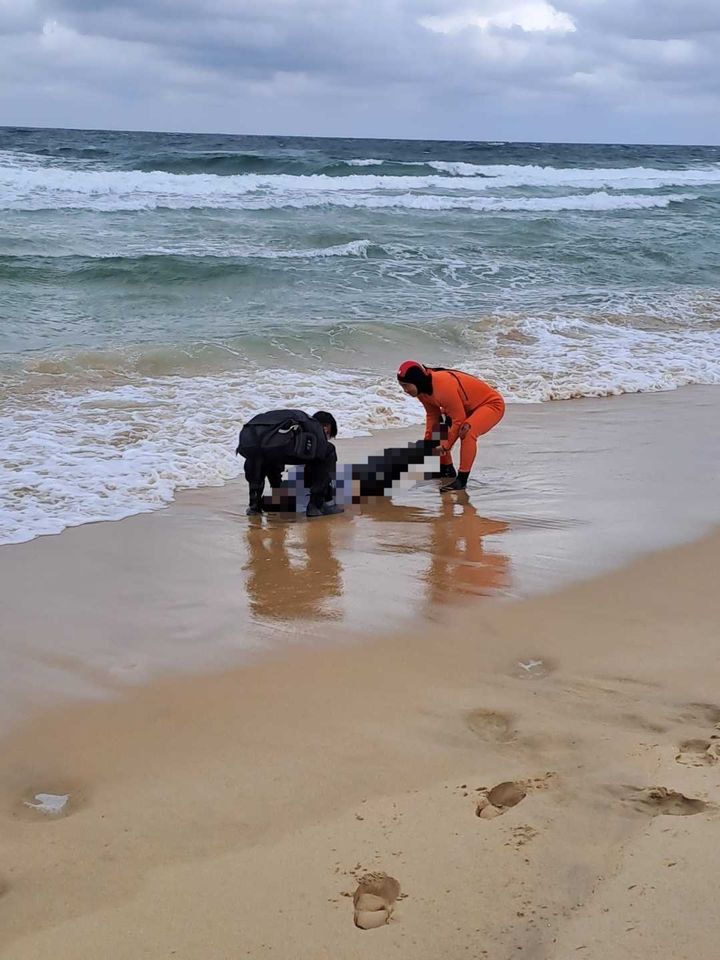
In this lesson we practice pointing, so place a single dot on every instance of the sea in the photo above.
(156, 290)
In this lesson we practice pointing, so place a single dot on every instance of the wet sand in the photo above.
(561, 492)
(231, 811)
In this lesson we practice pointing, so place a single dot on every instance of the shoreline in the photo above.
(24, 522)
(228, 814)
(560, 493)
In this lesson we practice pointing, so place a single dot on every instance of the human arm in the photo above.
(432, 418)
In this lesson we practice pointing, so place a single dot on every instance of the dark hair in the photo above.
(419, 377)
(327, 420)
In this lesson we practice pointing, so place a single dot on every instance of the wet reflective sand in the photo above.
(560, 492)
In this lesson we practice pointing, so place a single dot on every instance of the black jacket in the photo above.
(284, 436)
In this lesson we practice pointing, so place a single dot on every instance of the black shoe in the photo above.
(447, 470)
(326, 510)
(459, 483)
(253, 511)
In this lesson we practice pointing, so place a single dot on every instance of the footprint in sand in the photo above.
(698, 753)
(374, 900)
(503, 796)
(660, 800)
(491, 726)
(500, 798)
(701, 713)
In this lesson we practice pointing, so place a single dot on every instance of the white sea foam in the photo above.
(107, 454)
(456, 186)
(591, 202)
(534, 175)
(179, 194)
(625, 178)
(354, 248)
(207, 247)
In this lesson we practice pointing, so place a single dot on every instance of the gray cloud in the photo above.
(498, 69)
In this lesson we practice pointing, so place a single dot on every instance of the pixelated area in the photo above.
(358, 482)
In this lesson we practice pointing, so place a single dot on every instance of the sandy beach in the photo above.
(242, 741)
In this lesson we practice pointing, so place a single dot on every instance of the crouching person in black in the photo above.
(271, 441)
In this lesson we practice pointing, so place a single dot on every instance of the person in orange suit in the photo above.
(472, 406)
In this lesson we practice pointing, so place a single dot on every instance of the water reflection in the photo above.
(293, 571)
(403, 559)
(455, 539)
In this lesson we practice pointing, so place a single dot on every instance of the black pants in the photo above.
(319, 475)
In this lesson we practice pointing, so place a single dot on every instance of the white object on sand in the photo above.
(51, 803)
(530, 665)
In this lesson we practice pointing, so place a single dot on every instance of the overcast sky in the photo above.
(597, 70)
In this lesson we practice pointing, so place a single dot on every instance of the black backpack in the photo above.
(286, 436)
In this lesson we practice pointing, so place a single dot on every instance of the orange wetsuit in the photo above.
(466, 400)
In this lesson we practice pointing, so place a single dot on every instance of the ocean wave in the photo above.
(53, 189)
(533, 175)
(354, 248)
(210, 163)
(450, 186)
(592, 202)
(227, 159)
(365, 162)
(20, 159)
(164, 265)
(56, 187)
(218, 163)
(530, 175)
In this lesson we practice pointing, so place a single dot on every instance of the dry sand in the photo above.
(540, 777)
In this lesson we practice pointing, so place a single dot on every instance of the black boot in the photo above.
(447, 470)
(459, 483)
(255, 506)
(325, 510)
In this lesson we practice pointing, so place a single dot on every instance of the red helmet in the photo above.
(408, 365)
